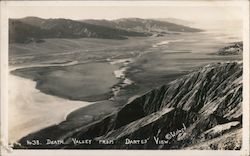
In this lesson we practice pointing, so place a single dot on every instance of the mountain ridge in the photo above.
(144, 25)
(32, 29)
(25, 30)
(202, 101)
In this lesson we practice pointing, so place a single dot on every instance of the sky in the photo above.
(191, 13)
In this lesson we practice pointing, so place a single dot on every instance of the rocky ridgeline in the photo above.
(202, 110)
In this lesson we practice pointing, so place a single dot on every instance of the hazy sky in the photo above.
(114, 12)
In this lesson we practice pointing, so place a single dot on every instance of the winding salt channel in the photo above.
(31, 110)
(165, 43)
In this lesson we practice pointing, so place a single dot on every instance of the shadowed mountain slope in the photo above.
(191, 112)
(32, 29)
(143, 25)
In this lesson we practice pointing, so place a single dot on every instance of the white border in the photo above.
(4, 78)
(246, 80)
(129, 3)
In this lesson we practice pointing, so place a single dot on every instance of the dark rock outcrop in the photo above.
(233, 49)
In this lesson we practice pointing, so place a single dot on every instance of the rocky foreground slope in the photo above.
(202, 110)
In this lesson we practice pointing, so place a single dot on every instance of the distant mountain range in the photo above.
(176, 21)
(30, 29)
(143, 25)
